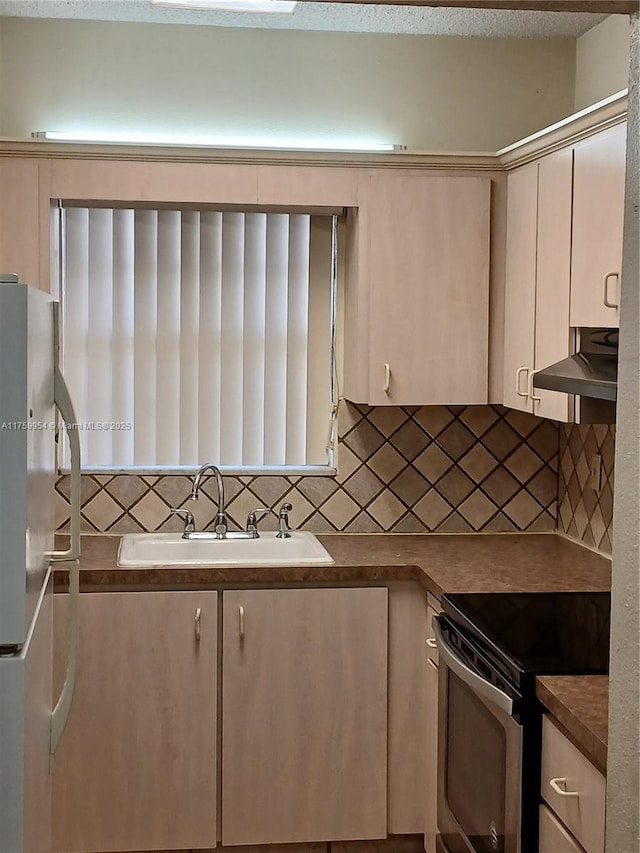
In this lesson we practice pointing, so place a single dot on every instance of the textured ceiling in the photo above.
(344, 17)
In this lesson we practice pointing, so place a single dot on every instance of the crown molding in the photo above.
(53, 150)
(606, 113)
(606, 7)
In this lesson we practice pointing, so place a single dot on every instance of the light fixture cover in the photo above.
(285, 7)
(281, 144)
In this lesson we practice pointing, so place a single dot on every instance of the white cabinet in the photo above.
(574, 790)
(537, 332)
(598, 214)
(417, 301)
(304, 719)
(136, 766)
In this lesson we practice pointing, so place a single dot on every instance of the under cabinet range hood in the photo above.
(591, 372)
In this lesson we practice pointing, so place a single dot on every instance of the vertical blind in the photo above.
(193, 336)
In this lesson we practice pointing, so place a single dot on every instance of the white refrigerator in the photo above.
(31, 719)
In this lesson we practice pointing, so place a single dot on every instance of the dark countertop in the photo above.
(525, 562)
(580, 703)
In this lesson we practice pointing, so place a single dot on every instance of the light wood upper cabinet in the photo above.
(538, 261)
(136, 766)
(416, 326)
(520, 291)
(24, 220)
(304, 715)
(598, 213)
(552, 333)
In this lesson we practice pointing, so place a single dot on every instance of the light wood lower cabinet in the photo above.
(304, 720)
(324, 732)
(431, 789)
(407, 736)
(554, 838)
(136, 766)
(574, 789)
(430, 676)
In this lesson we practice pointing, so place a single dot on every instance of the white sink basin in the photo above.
(170, 549)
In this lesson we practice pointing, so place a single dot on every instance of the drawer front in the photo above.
(573, 788)
(554, 838)
(432, 652)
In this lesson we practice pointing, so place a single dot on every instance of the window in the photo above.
(199, 335)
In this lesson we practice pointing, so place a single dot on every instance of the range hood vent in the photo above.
(591, 372)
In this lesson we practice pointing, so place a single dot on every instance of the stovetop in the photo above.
(563, 633)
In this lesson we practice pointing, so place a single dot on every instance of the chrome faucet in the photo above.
(254, 517)
(221, 515)
(283, 522)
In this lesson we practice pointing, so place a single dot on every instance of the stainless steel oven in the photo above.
(489, 720)
(479, 754)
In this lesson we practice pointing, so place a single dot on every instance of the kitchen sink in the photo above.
(170, 549)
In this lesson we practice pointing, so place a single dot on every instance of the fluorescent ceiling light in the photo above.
(291, 144)
(269, 6)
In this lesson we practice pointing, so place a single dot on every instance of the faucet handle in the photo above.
(283, 515)
(189, 522)
(252, 518)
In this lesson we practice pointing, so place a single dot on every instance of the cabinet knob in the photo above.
(605, 296)
(197, 623)
(387, 377)
(432, 643)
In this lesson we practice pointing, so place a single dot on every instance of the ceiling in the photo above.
(341, 17)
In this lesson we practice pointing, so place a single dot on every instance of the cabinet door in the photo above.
(554, 838)
(520, 290)
(427, 268)
(553, 277)
(136, 766)
(566, 769)
(22, 247)
(598, 213)
(304, 716)
(407, 751)
(431, 789)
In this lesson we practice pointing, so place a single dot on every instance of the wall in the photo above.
(623, 778)
(406, 470)
(602, 61)
(583, 514)
(421, 91)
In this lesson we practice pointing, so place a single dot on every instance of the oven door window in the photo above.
(475, 768)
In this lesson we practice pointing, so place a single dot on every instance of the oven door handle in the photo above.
(480, 687)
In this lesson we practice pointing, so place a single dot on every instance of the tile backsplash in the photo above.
(406, 470)
(584, 514)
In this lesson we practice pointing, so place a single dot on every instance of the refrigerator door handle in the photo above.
(60, 713)
(64, 404)
(62, 401)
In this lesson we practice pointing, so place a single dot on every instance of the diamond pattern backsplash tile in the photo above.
(405, 470)
(584, 514)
